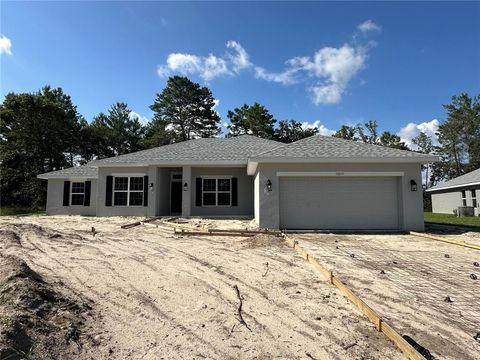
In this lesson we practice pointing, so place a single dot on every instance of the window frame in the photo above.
(77, 193)
(128, 191)
(473, 194)
(216, 191)
(464, 197)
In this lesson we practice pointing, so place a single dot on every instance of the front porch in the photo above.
(200, 191)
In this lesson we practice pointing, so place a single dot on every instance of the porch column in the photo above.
(187, 191)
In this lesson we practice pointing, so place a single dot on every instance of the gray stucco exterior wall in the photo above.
(245, 192)
(444, 202)
(410, 203)
(55, 199)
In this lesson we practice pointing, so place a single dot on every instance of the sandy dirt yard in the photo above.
(153, 295)
(469, 235)
(422, 287)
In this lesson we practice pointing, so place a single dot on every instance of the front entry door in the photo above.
(176, 197)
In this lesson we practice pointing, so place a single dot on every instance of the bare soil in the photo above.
(37, 322)
(424, 288)
(157, 295)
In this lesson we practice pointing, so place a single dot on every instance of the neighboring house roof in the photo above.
(220, 151)
(468, 179)
(84, 171)
(321, 148)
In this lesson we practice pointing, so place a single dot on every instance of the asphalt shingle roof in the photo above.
(84, 171)
(238, 148)
(320, 146)
(242, 148)
(468, 178)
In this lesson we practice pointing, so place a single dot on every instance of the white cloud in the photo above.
(5, 45)
(286, 77)
(330, 68)
(143, 119)
(322, 129)
(240, 60)
(207, 67)
(411, 130)
(368, 26)
(326, 74)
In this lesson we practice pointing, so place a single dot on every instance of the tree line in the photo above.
(43, 131)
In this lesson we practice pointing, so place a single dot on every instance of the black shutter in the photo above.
(234, 191)
(145, 191)
(66, 193)
(88, 189)
(198, 192)
(108, 193)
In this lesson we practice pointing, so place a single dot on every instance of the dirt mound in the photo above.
(36, 321)
(8, 238)
(261, 240)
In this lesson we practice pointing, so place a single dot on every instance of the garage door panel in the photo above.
(339, 203)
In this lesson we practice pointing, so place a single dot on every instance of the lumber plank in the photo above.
(359, 303)
(183, 226)
(268, 232)
(451, 241)
(205, 233)
(401, 343)
(130, 225)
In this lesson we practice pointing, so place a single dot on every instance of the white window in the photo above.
(216, 191)
(464, 198)
(78, 193)
(128, 191)
(474, 198)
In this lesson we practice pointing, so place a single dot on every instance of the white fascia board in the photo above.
(66, 177)
(253, 162)
(128, 174)
(417, 160)
(453, 186)
(176, 163)
(340, 173)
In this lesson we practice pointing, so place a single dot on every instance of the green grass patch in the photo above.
(18, 210)
(450, 219)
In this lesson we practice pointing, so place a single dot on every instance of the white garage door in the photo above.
(334, 203)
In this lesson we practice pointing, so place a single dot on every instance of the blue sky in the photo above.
(318, 62)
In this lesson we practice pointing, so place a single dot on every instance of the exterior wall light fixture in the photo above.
(413, 185)
(269, 185)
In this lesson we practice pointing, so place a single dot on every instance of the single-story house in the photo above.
(320, 182)
(461, 191)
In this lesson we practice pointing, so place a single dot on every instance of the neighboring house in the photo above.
(461, 191)
(316, 183)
